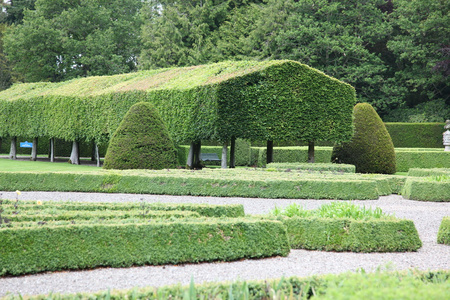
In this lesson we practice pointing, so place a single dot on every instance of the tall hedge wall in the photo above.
(416, 135)
(278, 100)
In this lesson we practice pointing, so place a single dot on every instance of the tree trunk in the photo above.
(97, 155)
(224, 155)
(13, 149)
(193, 161)
(269, 152)
(190, 159)
(233, 153)
(52, 150)
(311, 152)
(197, 151)
(75, 155)
(34, 149)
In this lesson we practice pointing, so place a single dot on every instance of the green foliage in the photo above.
(444, 231)
(316, 167)
(89, 38)
(371, 149)
(401, 285)
(344, 234)
(210, 102)
(433, 188)
(431, 111)
(421, 158)
(428, 172)
(141, 141)
(5, 66)
(420, 47)
(205, 210)
(416, 135)
(209, 182)
(49, 248)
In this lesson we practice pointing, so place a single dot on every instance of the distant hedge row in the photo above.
(230, 183)
(211, 102)
(416, 135)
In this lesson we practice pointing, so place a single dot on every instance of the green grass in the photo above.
(9, 165)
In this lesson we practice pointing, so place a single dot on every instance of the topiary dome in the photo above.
(371, 149)
(141, 141)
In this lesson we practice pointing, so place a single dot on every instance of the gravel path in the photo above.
(427, 217)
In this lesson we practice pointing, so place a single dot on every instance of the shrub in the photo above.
(428, 172)
(444, 232)
(371, 149)
(141, 141)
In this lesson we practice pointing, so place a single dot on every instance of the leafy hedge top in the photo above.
(277, 100)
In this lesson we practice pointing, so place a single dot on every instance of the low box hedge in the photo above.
(315, 167)
(205, 210)
(377, 235)
(233, 184)
(416, 172)
(443, 236)
(421, 158)
(427, 189)
(36, 215)
(50, 248)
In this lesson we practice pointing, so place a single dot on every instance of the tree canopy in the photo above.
(394, 52)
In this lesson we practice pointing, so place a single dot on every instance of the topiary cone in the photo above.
(371, 149)
(141, 141)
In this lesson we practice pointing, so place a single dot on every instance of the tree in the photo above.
(61, 40)
(337, 37)
(421, 45)
(5, 67)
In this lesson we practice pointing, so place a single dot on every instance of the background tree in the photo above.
(421, 45)
(60, 40)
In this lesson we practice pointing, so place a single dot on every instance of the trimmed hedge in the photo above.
(141, 141)
(443, 236)
(223, 183)
(370, 149)
(209, 102)
(427, 188)
(315, 167)
(428, 172)
(421, 158)
(416, 285)
(377, 235)
(205, 210)
(51, 248)
(416, 135)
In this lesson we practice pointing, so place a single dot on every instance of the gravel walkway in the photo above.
(427, 217)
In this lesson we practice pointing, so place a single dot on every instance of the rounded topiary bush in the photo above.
(371, 149)
(141, 141)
